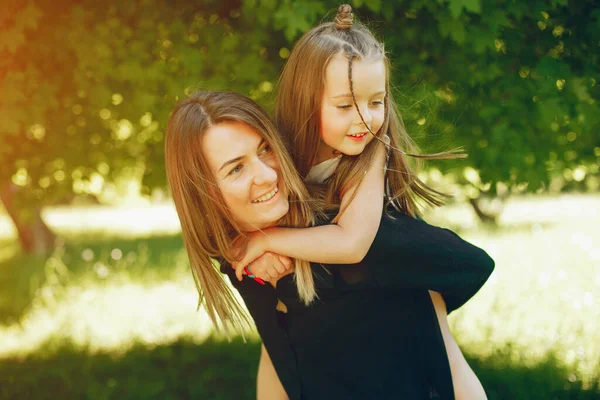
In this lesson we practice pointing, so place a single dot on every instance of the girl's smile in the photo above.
(358, 137)
(342, 129)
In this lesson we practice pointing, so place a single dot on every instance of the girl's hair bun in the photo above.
(344, 18)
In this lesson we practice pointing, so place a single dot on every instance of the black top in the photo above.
(373, 332)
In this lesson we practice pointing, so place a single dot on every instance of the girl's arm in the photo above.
(268, 385)
(346, 242)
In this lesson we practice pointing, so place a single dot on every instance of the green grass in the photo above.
(217, 369)
(88, 257)
(112, 313)
(180, 370)
(543, 297)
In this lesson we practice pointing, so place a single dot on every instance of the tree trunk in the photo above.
(481, 214)
(488, 209)
(34, 235)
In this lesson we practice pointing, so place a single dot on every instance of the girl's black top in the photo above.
(373, 332)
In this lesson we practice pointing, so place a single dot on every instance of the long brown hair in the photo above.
(208, 227)
(298, 115)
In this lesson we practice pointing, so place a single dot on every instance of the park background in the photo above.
(96, 297)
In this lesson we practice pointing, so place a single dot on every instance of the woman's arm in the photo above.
(466, 384)
(268, 385)
(346, 242)
(261, 301)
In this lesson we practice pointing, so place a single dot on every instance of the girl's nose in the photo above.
(366, 116)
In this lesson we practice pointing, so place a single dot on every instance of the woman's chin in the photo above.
(270, 216)
(279, 210)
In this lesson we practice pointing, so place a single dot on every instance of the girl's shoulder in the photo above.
(319, 173)
(322, 171)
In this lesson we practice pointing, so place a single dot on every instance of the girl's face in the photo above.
(247, 173)
(342, 129)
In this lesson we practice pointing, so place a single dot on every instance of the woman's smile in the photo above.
(266, 198)
(247, 173)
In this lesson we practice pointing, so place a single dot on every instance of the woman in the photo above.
(361, 337)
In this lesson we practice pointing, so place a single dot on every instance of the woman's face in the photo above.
(247, 173)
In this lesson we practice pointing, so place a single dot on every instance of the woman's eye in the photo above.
(344, 107)
(265, 150)
(377, 103)
(237, 169)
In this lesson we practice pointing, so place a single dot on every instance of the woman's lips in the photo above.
(268, 197)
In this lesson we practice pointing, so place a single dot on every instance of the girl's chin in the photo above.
(353, 152)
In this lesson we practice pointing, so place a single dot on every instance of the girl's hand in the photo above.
(270, 267)
(255, 247)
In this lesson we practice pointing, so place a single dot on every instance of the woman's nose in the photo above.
(264, 174)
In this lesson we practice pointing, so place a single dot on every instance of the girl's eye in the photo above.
(377, 103)
(344, 107)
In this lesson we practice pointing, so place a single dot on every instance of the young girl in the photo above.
(336, 115)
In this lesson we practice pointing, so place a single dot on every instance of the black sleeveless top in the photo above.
(373, 332)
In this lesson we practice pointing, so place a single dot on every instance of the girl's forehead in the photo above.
(368, 77)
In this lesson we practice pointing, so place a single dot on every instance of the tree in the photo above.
(86, 92)
(515, 83)
(87, 89)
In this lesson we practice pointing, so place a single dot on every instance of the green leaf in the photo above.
(473, 6)
(551, 67)
(250, 3)
(268, 4)
(297, 18)
(458, 33)
(387, 10)
(453, 28)
(481, 39)
(495, 18)
(374, 5)
(579, 89)
(456, 7)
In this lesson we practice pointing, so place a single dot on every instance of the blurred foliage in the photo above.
(514, 82)
(87, 87)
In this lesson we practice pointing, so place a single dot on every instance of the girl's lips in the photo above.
(358, 138)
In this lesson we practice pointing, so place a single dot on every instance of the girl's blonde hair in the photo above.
(208, 227)
(298, 114)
